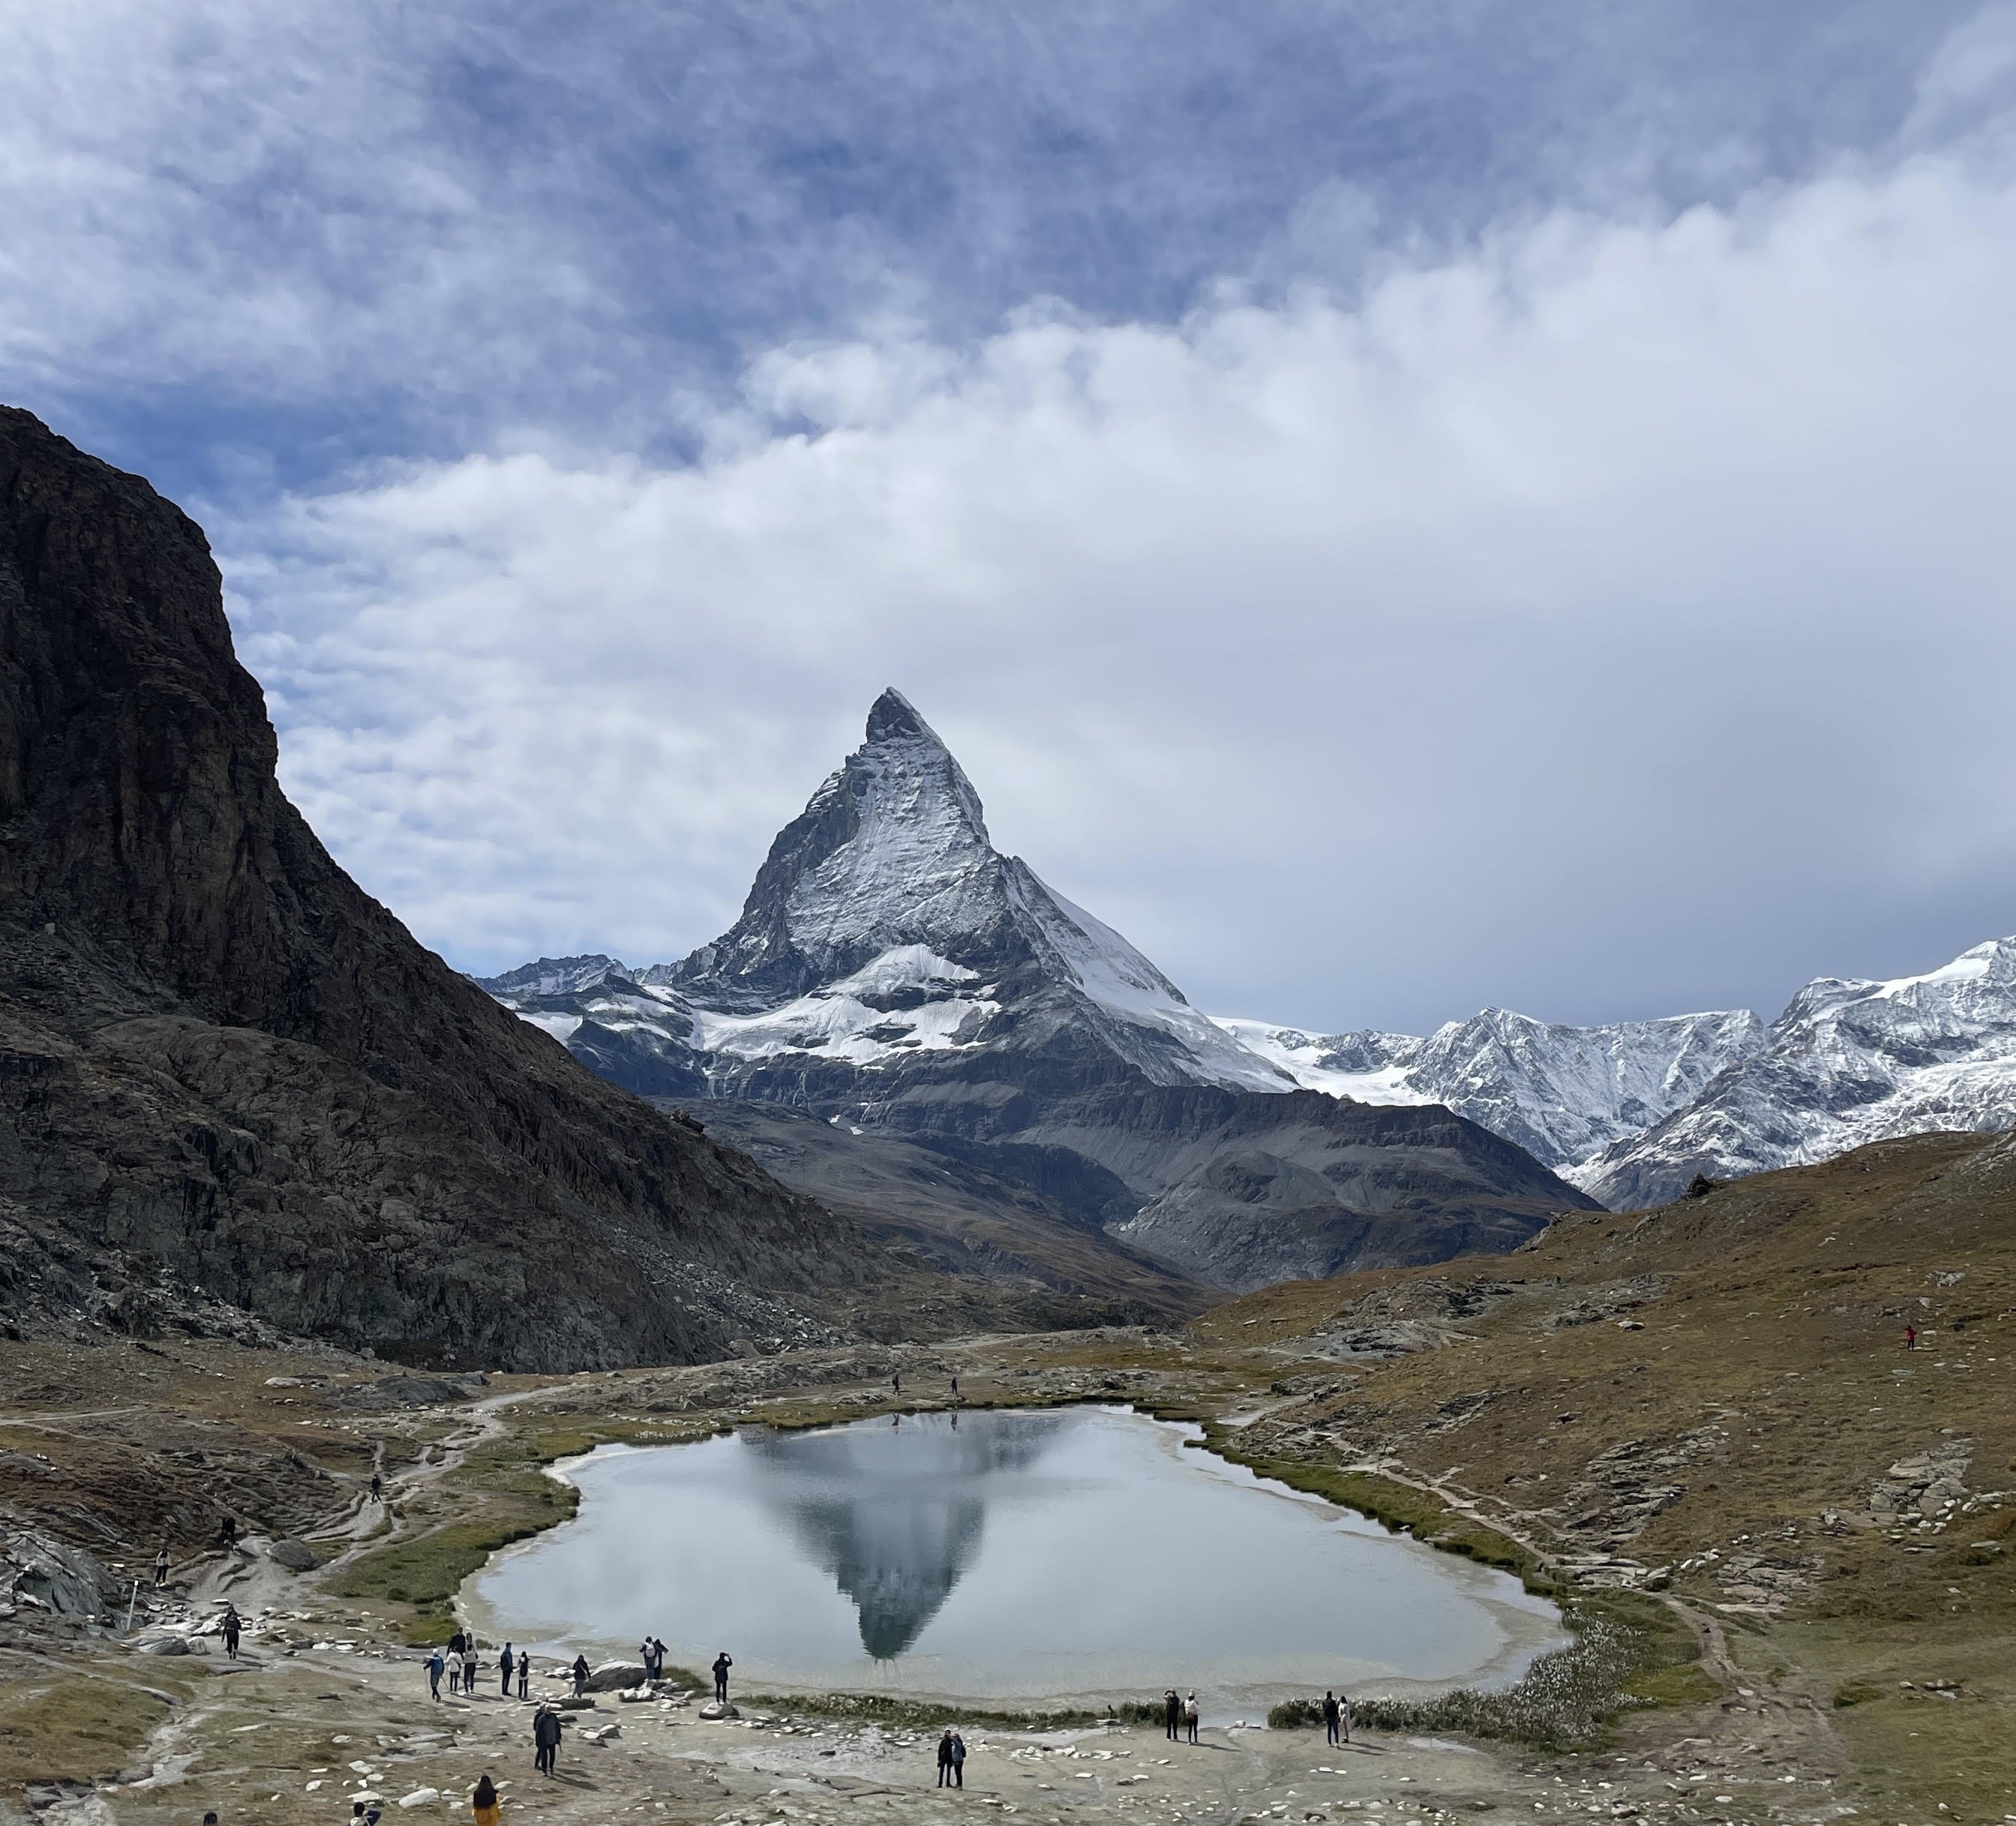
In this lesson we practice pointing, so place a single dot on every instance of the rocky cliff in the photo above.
(223, 1065)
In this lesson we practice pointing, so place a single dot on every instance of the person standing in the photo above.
(1172, 1712)
(580, 1675)
(161, 1568)
(658, 1658)
(1331, 1714)
(472, 1666)
(722, 1662)
(482, 1802)
(1190, 1716)
(1344, 1716)
(896, 1382)
(1910, 1343)
(505, 1663)
(955, 1388)
(546, 1739)
(436, 1663)
(944, 1758)
(646, 1655)
(455, 1670)
(233, 1627)
(958, 1760)
(524, 1673)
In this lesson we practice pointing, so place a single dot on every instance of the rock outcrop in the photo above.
(223, 1063)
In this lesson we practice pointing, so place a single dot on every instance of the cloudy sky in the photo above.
(1400, 505)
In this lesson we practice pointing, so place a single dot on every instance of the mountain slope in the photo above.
(220, 1060)
(1848, 1062)
(891, 969)
(1563, 1093)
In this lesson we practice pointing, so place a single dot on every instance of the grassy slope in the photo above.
(1773, 1343)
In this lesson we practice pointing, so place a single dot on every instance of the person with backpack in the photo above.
(580, 1675)
(455, 1670)
(1190, 1716)
(232, 1627)
(363, 1814)
(958, 1760)
(436, 1663)
(524, 1671)
(1331, 1714)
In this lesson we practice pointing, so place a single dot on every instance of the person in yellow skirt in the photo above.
(482, 1802)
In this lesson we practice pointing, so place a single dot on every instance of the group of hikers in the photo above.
(462, 1662)
(951, 1759)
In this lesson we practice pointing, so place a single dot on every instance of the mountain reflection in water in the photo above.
(896, 1515)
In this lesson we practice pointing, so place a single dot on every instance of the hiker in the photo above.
(435, 1664)
(722, 1662)
(1173, 1711)
(944, 1758)
(955, 1388)
(360, 1815)
(1910, 1343)
(377, 1488)
(649, 1656)
(455, 1670)
(1331, 1715)
(546, 1738)
(232, 1628)
(524, 1671)
(505, 1664)
(580, 1675)
(896, 1382)
(658, 1658)
(209, 1819)
(1190, 1716)
(227, 1532)
(958, 1760)
(1344, 1716)
(459, 1641)
(472, 1666)
(482, 1802)
(160, 1568)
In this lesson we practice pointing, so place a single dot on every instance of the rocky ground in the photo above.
(1706, 1415)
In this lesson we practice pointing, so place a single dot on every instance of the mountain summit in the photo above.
(892, 971)
(884, 918)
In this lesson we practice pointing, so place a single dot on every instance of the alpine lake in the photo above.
(1000, 1558)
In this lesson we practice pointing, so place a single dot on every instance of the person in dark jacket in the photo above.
(505, 1663)
(1329, 1711)
(944, 1758)
(546, 1739)
(580, 1675)
(233, 1627)
(958, 1760)
(524, 1671)
(722, 1662)
(1172, 1712)
(437, 1666)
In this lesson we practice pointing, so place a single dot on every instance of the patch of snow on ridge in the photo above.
(1374, 1072)
(841, 1022)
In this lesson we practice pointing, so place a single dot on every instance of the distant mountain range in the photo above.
(892, 972)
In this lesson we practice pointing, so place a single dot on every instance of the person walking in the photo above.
(1910, 1343)
(1190, 1716)
(524, 1671)
(455, 1670)
(944, 1758)
(161, 1569)
(896, 1382)
(505, 1663)
(482, 1802)
(377, 1488)
(232, 1627)
(546, 1739)
(955, 1388)
(436, 1663)
(722, 1662)
(472, 1666)
(580, 1675)
(958, 1760)
(1173, 1711)
(1331, 1714)
(649, 1657)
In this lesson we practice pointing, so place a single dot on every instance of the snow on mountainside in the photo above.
(1849, 1062)
(1563, 1093)
(883, 923)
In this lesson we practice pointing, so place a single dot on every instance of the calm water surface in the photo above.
(1085, 1554)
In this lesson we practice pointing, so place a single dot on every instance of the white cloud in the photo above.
(1612, 617)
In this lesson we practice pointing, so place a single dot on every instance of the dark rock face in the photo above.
(220, 1059)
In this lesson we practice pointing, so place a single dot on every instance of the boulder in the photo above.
(601, 1734)
(718, 1708)
(419, 1797)
(297, 1556)
(165, 1645)
(611, 1676)
(45, 1572)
